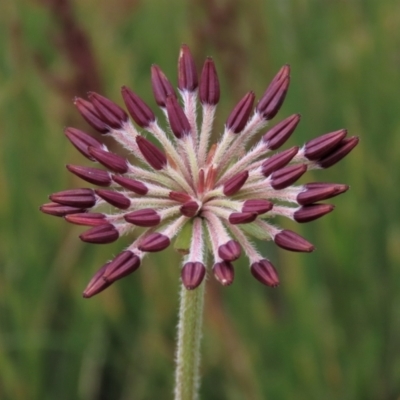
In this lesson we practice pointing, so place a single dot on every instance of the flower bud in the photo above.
(192, 274)
(292, 241)
(224, 272)
(230, 251)
(265, 273)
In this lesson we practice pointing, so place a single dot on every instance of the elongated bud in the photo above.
(239, 116)
(114, 198)
(190, 208)
(234, 184)
(292, 241)
(110, 160)
(81, 141)
(187, 74)
(122, 265)
(181, 197)
(192, 274)
(162, 88)
(154, 242)
(273, 97)
(343, 148)
(278, 160)
(281, 132)
(96, 176)
(339, 187)
(265, 273)
(97, 284)
(146, 217)
(230, 251)
(101, 234)
(87, 219)
(138, 109)
(209, 84)
(286, 176)
(242, 218)
(153, 155)
(131, 184)
(224, 272)
(258, 206)
(311, 212)
(178, 121)
(82, 198)
(91, 115)
(322, 145)
(110, 113)
(310, 196)
(59, 210)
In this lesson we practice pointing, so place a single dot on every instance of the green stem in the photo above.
(187, 379)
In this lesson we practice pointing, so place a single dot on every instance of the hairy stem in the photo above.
(187, 379)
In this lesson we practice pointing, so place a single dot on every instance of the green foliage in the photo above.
(329, 332)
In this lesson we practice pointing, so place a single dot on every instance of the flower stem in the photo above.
(187, 379)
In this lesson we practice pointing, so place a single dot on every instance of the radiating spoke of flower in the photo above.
(221, 193)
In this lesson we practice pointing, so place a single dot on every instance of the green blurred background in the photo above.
(330, 331)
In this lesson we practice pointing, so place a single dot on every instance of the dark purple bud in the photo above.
(122, 265)
(273, 97)
(82, 198)
(281, 132)
(224, 272)
(110, 160)
(209, 84)
(114, 198)
(91, 115)
(192, 274)
(322, 145)
(153, 155)
(97, 284)
(180, 197)
(96, 176)
(190, 208)
(131, 184)
(154, 242)
(242, 218)
(59, 210)
(258, 206)
(139, 110)
(110, 113)
(101, 234)
(81, 141)
(311, 212)
(234, 184)
(146, 217)
(187, 74)
(162, 88)
(87, 219)
(230, 251)
(339, 187)
(343, 148)
(239, 116)
(286, 176)
(178, 121)
(290, 240)
(278, 161)
(310, 196)
(265, 273)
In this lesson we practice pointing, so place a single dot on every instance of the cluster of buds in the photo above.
(218, 195)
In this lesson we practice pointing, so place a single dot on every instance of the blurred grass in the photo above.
(329, 332)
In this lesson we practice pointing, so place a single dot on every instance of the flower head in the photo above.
(219, 195)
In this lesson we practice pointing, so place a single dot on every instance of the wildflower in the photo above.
(222, 193)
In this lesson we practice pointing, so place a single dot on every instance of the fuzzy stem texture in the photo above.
(187, 379)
